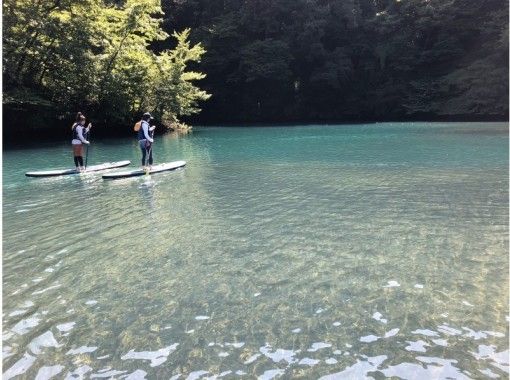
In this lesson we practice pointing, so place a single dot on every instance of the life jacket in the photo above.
(75, 132)
(141, 135)
(137, 126)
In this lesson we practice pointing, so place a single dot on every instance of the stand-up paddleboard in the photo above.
(93, 168)
(155, 169)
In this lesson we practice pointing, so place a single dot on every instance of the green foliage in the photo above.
(96, 55)
(271, 60)
(175, 92)
(267, 60)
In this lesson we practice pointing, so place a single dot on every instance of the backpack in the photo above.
(137, 126)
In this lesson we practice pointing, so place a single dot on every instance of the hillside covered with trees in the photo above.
(321, 60)
(60, 56)
(261, 60)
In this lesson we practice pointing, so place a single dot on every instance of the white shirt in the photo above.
(145, 128)
(79, 131)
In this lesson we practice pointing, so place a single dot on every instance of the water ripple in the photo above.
(302, 253)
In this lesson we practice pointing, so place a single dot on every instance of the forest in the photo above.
(61, 56)
(255, 61)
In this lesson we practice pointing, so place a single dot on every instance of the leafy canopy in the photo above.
(97, 55)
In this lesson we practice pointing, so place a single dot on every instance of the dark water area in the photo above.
(24, 127)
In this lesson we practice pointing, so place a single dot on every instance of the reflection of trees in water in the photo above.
(176, 146)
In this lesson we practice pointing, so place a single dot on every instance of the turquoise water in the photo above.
(335, 252)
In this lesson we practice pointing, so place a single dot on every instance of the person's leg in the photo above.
(80, 156)
(150, 155)
(144, 152)
(76, 154)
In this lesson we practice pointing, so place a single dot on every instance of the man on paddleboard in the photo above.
(145, 140)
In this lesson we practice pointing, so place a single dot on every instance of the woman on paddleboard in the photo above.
(79, 133)
(145, 140)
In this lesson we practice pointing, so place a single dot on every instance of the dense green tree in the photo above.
(266, 60)
(274, 60)
(96, 55)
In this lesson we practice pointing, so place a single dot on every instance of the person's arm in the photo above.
(145, 127)
(80, 134)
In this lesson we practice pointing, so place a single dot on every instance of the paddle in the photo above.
(87, 152)
(148, 154)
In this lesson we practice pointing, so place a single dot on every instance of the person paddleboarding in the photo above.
(146, 139)
(79, 139)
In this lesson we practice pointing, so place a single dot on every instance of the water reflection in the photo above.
(147, 190)
(268, 260)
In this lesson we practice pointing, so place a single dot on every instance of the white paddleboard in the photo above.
(139, 172)
(92, 168)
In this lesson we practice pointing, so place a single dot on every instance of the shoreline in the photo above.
(24, 139)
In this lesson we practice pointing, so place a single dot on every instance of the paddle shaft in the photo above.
(149, 151)
(87, 152)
